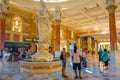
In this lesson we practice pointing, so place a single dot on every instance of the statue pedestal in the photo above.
(40, 67)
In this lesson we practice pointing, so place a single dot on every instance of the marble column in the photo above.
(58, 35)
(113, 34)
(2, 31)
(112, 26)
(53, 40)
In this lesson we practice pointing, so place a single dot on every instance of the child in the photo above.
(84, 58)
(67, 60)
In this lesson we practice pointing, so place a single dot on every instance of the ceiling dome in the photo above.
(35, 4)
(53, 1)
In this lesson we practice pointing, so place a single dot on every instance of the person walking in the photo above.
(67, 61)
(84, 58)
(100, 56)
(105, 58)
(77, 60)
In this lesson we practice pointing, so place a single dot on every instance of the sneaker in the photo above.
(64, 76)
(76, 77)
(80, 77)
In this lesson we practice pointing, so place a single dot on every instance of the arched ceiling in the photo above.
(35, 4)
(88, 17)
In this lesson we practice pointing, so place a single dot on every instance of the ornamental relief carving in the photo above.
(4, 6)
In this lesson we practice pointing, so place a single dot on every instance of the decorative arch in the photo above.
(17, 24)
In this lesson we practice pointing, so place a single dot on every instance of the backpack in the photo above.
(61, 56)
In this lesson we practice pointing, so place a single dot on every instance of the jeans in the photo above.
(84, 62)
(64, 63)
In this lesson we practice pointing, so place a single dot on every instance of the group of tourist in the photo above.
(25, 54)
(14, 54)
(79, 60)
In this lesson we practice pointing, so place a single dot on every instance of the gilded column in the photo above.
(57, 21)
(11, 36)
(68, 40)
(4, 5)
(79, 41)
(2, 31)
(21, 36)
(34, 32)
(53, 40)
(96, 45)
(112, 24)
(89, 43)
(114, 56)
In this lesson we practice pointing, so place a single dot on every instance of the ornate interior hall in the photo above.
(39, 27)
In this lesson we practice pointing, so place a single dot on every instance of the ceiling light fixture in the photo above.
(101, 17)
(91, 6)
(96, 27)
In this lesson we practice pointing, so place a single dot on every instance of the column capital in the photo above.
(111, 9)
(111, 6)
(3, 16)
(57, 22)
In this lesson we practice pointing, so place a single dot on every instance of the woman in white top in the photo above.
(76, 59)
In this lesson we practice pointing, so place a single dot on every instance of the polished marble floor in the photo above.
(10, 71)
